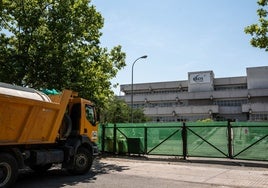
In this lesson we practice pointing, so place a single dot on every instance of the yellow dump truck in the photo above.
(37, 131)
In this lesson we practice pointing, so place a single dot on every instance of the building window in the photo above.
(155, 91)
(230, 102)
(179, 118)
(225, 88)
(258, 117)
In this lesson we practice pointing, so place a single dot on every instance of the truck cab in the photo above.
(83, 117)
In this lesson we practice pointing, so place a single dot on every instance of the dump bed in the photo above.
(24, 120)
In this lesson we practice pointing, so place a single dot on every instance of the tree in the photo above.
(259, 31)
(56, 44)
(117, 111)
(139, 116)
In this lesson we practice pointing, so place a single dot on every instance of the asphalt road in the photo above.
(139, 172)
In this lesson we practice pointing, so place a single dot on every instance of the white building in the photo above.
(202, 96)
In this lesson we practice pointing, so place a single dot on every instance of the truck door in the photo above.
(76, 118)
(91, 127)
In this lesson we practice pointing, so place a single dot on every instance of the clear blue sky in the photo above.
(180, 37)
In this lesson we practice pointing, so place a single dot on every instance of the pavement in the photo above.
(198, 171)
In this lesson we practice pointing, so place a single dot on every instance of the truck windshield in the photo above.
(90, 114)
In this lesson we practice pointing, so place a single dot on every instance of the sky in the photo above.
(180, 36)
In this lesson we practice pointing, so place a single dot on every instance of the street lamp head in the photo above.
(145, 56)
(142, 57)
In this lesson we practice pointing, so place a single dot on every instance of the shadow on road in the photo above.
(57, 177)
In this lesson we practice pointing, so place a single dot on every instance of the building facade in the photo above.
(202, 96)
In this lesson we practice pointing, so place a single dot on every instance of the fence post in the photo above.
(103, 138)
(145, 140)
(230, 139)
(114, 142)
(184, 140)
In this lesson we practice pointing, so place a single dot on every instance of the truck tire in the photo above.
(82, 161)
(8, 170)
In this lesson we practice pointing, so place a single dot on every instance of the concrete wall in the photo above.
(257, 77)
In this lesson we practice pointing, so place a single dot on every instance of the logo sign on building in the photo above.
(196, 78)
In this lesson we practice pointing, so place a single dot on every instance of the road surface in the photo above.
(154, 172)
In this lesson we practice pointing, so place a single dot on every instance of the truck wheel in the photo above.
(8, 170)
(41, 168)
(82, 162)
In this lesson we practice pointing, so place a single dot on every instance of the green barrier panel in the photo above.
(133, 135)
(109, 138)
(152, 138)
(164, 138)
(134, 138)
(250, 140)
(123, 132)
(165, 141)
(208, 139)
(99, 141)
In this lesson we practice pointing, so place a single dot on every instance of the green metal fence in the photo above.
(207, 139)
(250, 140)
(239, 140)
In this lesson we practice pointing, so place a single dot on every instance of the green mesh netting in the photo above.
(207, 139)
(249, 140)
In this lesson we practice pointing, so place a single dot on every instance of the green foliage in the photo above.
(117, 111)
(55, 44)
(139, 116)
(205, 120)
(259, 31)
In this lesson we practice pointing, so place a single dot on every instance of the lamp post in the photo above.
(142, 57)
